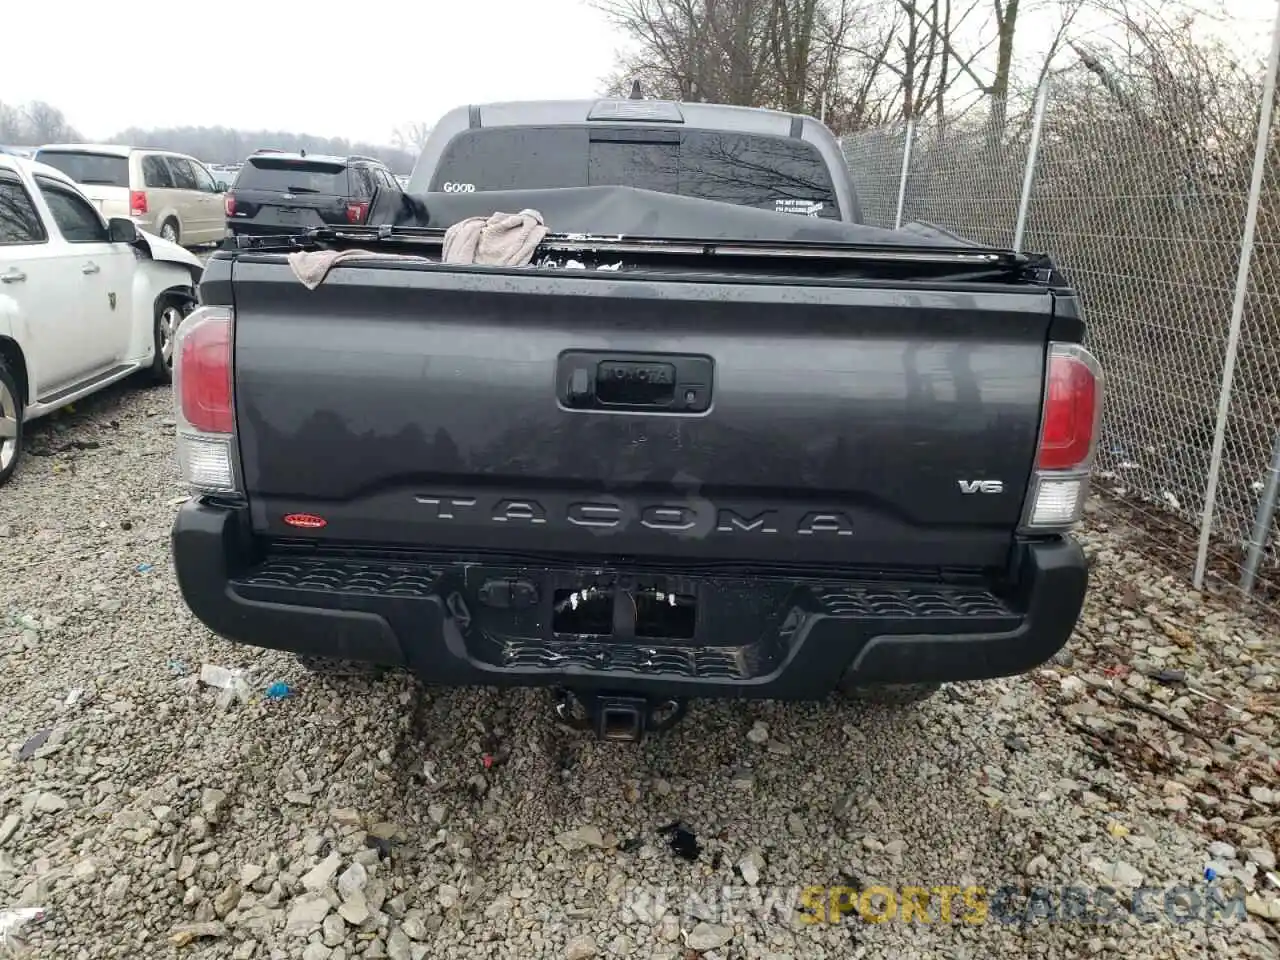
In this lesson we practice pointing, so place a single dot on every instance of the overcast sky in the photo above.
(244, 63)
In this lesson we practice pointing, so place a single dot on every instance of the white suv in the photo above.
(165, 193)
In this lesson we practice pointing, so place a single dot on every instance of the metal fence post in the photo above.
(1262, 521)
(906, 169)
(1029, 174)
(1237, 305)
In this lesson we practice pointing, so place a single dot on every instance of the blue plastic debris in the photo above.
(145, 568)
(1210, 874)
(278, 690)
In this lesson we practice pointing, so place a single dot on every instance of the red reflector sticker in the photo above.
(308, 521)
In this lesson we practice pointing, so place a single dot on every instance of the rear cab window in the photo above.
(274, 174)
(88, 168)
(784, 174)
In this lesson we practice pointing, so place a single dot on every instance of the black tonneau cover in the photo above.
(631, 212)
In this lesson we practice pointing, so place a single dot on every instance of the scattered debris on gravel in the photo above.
(155, 800)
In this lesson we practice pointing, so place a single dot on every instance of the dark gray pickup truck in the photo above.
(696, 448)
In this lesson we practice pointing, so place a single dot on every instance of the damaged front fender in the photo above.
(164, 251)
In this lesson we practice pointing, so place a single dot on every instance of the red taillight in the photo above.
(356, 212)
(229, 205)
(137, 203)
(1070, 411)
(202, 395)
(204, 375)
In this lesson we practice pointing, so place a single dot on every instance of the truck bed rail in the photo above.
(974, 264)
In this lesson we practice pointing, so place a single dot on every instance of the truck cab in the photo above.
(765, 159)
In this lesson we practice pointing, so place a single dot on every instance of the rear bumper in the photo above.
(778, 637)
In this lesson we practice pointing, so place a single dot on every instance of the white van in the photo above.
(164, 193)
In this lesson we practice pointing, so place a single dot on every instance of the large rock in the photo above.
(320, 876)
(306, 914)
(709, 936)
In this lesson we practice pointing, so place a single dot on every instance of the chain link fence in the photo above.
(1146, 213)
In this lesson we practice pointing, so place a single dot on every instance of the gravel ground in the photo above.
(360, 817)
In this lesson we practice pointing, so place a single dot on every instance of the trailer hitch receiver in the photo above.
(617, 717)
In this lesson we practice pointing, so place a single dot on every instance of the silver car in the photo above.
(165, 193)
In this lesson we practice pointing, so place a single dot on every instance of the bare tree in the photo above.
(10, 124)
(411, 138)
(1000, 31)
(854, 44)
(1164, 75)
(709, 50)
(921, 65)
(47, 124)
(791, 32)
(823, 57)
(228, 145)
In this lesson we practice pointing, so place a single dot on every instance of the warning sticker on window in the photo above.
(803, 208)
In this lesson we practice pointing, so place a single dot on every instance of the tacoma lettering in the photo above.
(527, 511)
(447, 508)
(727, 521)
(669, 518)
(836, 523)
(614, 515)
(594, 514)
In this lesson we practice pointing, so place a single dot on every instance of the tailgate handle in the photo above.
(636, 383)
(639, 382)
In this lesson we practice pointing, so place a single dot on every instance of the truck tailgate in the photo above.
(807, 423)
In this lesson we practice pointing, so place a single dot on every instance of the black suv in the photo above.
(286, 192)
